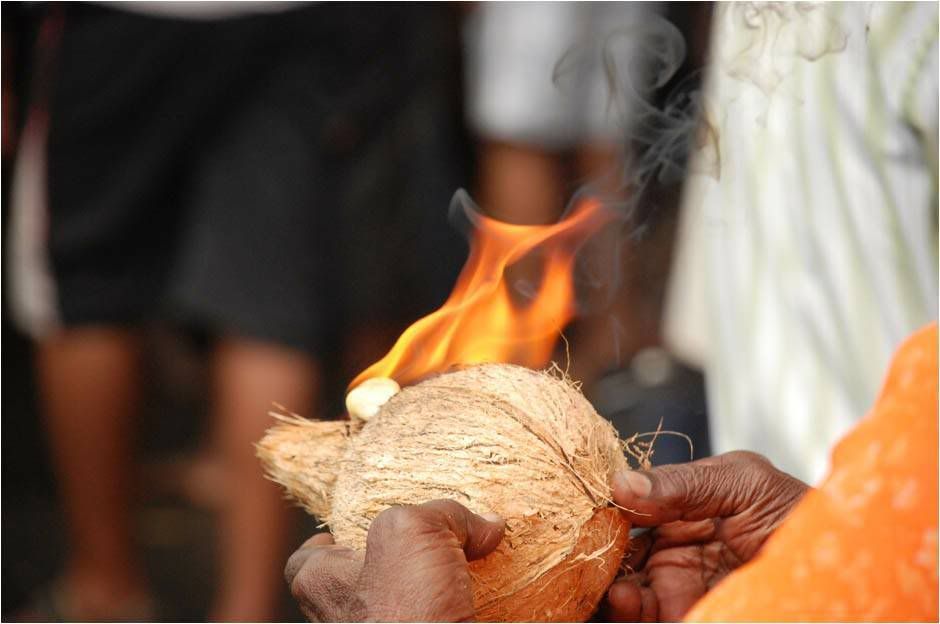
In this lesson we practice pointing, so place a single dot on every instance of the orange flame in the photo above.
(480, 322)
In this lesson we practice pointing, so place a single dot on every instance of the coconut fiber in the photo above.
(496, 438)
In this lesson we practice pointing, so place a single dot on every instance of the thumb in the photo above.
(478, 535)
(715, 487)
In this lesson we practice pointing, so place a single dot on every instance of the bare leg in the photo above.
(521, 184)
(255, 530)
(89, 391)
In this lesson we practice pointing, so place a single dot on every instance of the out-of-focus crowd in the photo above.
(208, 207)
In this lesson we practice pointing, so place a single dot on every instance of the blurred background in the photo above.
(211, 206)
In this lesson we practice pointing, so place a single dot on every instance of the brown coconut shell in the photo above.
(570, 591)
(496, 438)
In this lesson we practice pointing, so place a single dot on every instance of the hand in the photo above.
(710, 516)
(414, 568)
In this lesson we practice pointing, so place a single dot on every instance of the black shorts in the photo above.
(232, 173)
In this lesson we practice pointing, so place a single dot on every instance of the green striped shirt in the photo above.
(812, 250)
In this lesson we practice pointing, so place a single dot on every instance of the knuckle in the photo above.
(295, 564)
(397, 520)
(303, 574)
(675, 481)
(446, 506)
(448, 514)
(747, 457)
(326, 573)
(300, 586)
(402, 522)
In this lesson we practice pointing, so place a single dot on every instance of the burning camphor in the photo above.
(480, 322)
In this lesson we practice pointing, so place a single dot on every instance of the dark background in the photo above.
(175, 518)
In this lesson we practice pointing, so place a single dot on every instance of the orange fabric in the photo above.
(863, 546)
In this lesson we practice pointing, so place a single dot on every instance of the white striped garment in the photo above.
(814, 252)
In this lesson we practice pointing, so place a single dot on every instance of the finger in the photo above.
(630, 601)
(624, 603)
(685, 532)
(325, 584)
(717, 487)
(638, 550)
(295, 562)
(650, 605)
(679, 578)
(299, 557)
(478, 536)
(320, 539)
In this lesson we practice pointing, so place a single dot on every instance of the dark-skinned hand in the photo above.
(708, 517)
(414, 568)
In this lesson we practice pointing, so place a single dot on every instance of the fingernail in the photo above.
(495, 518)
(636, 482)
(318, 539)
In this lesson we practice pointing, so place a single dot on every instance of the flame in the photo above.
(480, 321)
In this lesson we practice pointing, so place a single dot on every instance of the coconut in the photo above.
(496, 438)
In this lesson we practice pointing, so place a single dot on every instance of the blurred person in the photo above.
(551, 123)
(734, 538)
(526, 121)
(185, 161)
(539, 135)
(809, 245)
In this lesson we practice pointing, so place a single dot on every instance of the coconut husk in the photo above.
(496, 438)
